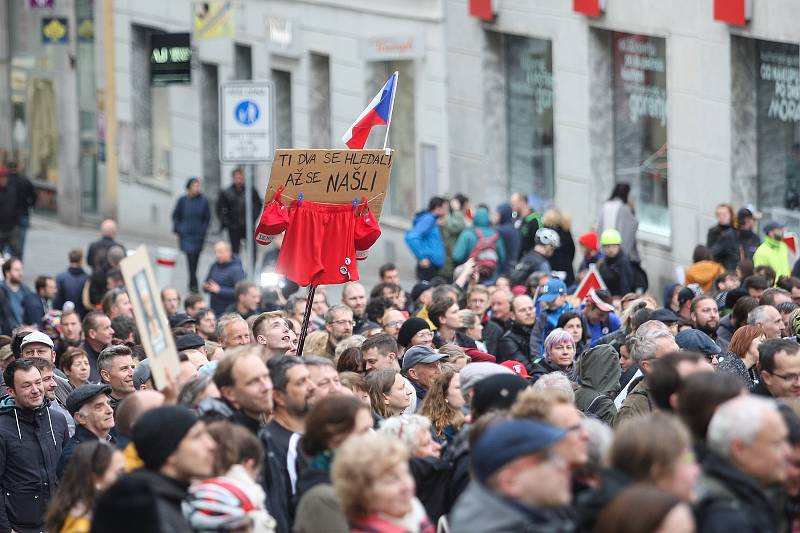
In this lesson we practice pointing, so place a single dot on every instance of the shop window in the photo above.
(282, 81)
(639, 81)
(151, 130)
(777, 75)
(529, 98)
(209, 104)
(320, 101)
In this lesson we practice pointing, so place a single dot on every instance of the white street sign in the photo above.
(246, 121)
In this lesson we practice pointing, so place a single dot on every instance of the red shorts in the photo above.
(319, 246)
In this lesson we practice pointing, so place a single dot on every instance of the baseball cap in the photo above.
(601, 300)
(142, 374)
(667, 316)
(746, 212)
(769, 226)
(420, 354)
(694, 340)
(366, 233)
(179, 319)
(685, 295)
(36, 337)
(552, 290)
(419, 288)
(505, 442)
(516, 367)
(85, 393)
(189, 341)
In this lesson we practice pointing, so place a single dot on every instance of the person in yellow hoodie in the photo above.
(704, 270)
(773, 252)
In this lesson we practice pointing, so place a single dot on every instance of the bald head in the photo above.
(133, 407)
(108, 228)
(222, 251)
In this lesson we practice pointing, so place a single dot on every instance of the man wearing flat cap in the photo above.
(90, 406)
(422, 365)
(519, 482)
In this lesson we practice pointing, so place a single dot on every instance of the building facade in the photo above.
(537, 97)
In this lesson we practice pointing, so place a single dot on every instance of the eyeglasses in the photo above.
(424, 334)
(395, 324)
(787, 377)
(343, 322)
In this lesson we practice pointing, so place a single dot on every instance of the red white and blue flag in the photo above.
(377, 113)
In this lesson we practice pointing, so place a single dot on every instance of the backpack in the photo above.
(485, 254)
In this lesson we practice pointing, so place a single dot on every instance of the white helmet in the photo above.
(548, 236)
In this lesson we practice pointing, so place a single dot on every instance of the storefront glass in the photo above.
(778, 130)
(529, 97)
(639, 81)
(90, 123)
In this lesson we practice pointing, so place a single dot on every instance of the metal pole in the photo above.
(248, 223)
(306, 317)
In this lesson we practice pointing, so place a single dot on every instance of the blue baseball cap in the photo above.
(554, 288)
(694, 340)
(505, 442)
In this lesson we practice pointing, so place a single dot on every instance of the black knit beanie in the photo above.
(159, 432)
(411, 327)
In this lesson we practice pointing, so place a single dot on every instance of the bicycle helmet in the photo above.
(217, 505)
(548, 236)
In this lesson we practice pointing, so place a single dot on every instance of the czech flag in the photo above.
(377, 113)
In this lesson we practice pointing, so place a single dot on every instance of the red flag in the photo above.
(592, 280)
(791, 241)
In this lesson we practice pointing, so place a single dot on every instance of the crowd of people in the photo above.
(488, 398)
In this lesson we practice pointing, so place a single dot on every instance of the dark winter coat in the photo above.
(96, 254)
(26, 193)
(81, 435)
(617, 272)
(514, 345)
(598, 377)
(227, 275)
(69, 285)
(564, 256)
(492, 332)
(749, 242)
(30, 447)
(231, 207)
(723, 242)
(145, 498)
(531, 262)
(730, 500)
(591, 503)
(190, 220)
(510, 236)
(9, 214)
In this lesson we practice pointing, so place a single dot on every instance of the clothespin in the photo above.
(355, 203)
(300, 199)
(278, 194)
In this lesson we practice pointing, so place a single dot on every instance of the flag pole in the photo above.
(396, 76)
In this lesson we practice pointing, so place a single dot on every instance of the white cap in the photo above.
(37, 337)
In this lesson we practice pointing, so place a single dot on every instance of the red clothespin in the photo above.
(278, 193)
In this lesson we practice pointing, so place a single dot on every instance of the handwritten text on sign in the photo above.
(332, 176)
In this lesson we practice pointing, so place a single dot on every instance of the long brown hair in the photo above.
(436, 407)
(740, 342)
(651, 506)
(89, 462)
(380, 382)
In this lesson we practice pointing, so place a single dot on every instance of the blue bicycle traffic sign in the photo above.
(246, 113)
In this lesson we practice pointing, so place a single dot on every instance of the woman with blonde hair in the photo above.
(564, 256)
(443, 405)
(372, 481)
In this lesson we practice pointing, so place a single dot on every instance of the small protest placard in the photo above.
(151, 320)
(332, 176)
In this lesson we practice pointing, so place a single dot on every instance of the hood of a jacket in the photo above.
(506, 214)
(772, 243)
(598, 368)
(481, 218)
(418, 215)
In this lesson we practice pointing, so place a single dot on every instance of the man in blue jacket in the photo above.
(425, 239)
(222, 278)
(23, 305)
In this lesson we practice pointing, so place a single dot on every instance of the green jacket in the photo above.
(598, 375)
(637, 403)
(773, 254)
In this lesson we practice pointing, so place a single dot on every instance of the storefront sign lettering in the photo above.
(639, 62)
(783, 70)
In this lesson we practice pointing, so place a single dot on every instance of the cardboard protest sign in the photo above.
(332, 176)
(151, 320)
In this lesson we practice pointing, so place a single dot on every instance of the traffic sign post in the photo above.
(246, 123)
